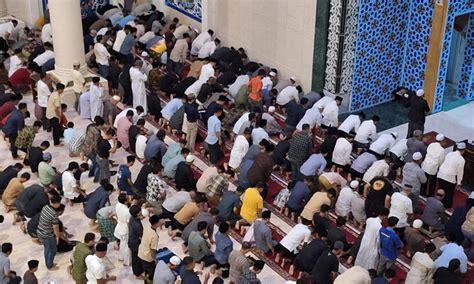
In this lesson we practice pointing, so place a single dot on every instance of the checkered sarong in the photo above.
(106, 227)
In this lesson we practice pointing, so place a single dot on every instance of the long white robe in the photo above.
(121, 232)
(241, 146)
(369, 246)
(85, 104)
(138, 88)
(421, 270)
(97, 105)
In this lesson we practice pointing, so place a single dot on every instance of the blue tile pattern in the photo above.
(392, 45)
(466, 84)
(456, 8)
(190, 8)
(417, 43)
(381, 37)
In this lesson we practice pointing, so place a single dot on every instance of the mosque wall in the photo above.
(26, 10)
(392, 42)
(279, 33)
(380, 41)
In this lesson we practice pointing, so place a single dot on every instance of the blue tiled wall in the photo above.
(392, 46)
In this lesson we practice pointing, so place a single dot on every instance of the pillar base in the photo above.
(69, 97)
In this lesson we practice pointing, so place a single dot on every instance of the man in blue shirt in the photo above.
(314, 165)
(97, 200)
(124, 176)
(213, 139)
(223, 246)
(155, 147)
(15, 122)
(299, 195)
(452, 251)
(229, 206)
(390, 243)
(244, 170)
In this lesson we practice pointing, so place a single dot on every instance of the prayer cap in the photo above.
(461, 146)
(189, 159)
(354, 184)
(417, 224)
(439, 137)
(271, 109)
(420, 93)
(417, 156)
(175, 260)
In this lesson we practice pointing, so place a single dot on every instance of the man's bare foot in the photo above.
(54, 268)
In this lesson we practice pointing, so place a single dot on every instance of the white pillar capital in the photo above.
(68, 43)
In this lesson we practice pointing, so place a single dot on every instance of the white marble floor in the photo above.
(76, 222)
(457, 124)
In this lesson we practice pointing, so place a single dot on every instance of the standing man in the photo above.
(190, 122)
(255, 89)
(138, 86)
(102, 55)
(149, 246)
(53, 113)
(178, 55)
(434, 158)
(389, 245)
(96, 93)
(135, 233)
(42, 98)
(48, 231)
(14, 124)
(417, 114)
(96, 268)
(214, 138)
(451, 173)
(79, 83)
(414, 175)
(81, 251)
(301, 146)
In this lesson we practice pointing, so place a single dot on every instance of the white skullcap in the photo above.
(273, 74)
(354, 184)
(175, 260)
(439, 137)
(417, 224)
(461, 146)
(144, 53)
(293, 79)
(471, 196)
(394, 134)
(189, 159)
(116, 98)
(417, 156)
(271, 109)
(420, 93)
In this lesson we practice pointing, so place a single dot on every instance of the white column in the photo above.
(3, 8)
(205, 15)
(67, 37)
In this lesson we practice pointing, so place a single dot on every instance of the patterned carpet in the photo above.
(278, 182)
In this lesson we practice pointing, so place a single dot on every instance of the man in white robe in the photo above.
(85, 105)
(369, 246)
(138, 79)
(240, 148)
(422, 266)
(96, 96)
(121, 230)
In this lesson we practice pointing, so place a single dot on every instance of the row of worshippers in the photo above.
(187, 211)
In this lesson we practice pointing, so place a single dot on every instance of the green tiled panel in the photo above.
(320, 44)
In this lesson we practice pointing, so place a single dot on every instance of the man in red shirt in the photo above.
(20, 81)
(255, 90)
(9, 106)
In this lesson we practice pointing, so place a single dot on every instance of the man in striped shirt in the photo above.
(48, 231)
